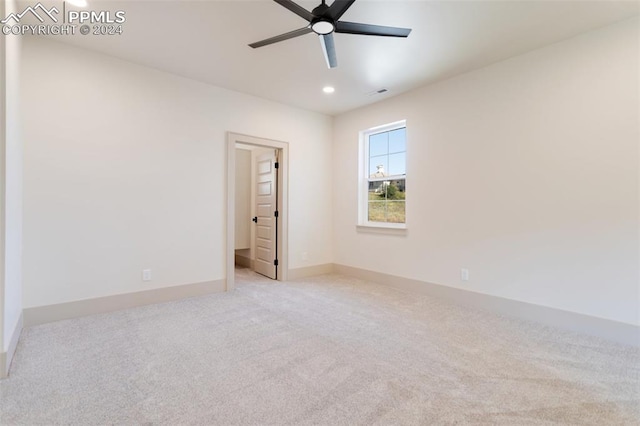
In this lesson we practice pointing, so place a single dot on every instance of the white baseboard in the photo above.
(49, 313)
(620, 332)
(7, 357)
(309, 271)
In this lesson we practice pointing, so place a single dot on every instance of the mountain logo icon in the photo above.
(34, 11)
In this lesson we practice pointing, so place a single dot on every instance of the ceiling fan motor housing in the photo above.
(320, 11)
(322, 22)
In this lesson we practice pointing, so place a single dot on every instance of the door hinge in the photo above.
(276, 213)
(277, 165)
(275, 262)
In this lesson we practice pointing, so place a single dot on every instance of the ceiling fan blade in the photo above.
(329, 50)
(281, 37)
(339, 7)
(298, 10)
(374, 30)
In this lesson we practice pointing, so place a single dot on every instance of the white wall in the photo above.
(3, 143)
(525, 172)
(12, 185)
(125, 170)
(243, 199)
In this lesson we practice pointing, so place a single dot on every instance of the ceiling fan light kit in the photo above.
(322, 27)
(324, 21)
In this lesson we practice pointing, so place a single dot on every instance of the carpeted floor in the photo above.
(327, 350)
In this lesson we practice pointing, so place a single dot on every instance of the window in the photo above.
(383, 176)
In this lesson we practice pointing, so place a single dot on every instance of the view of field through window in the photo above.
(387, 176)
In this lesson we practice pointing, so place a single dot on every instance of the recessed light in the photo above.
(328, 89)
(78, 3)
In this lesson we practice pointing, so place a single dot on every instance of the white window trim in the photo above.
(363, 193)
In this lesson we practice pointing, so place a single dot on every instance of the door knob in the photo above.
(255, 219)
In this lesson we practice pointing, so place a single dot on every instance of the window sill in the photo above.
(383, 229)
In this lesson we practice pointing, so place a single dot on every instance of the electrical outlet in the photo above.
(305, 255)
(146, 275)
(464, 274)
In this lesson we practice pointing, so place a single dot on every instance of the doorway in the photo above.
(256, 229)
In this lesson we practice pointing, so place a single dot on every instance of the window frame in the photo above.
(364, 179)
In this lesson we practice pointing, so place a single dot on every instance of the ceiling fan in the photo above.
(324, 21)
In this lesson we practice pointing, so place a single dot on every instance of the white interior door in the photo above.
(266, 215)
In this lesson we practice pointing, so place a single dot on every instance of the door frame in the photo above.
(283, 203)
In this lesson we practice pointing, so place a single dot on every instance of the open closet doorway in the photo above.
(256, 206)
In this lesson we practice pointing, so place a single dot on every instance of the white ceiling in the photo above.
(207, 41)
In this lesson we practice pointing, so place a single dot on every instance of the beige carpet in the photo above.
(328, 350)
